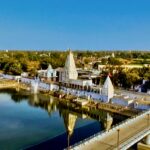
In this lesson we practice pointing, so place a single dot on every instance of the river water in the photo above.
(39, 122)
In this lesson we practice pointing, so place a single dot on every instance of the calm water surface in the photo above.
(27, 120)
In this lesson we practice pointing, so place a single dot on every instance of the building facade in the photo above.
(48, 74)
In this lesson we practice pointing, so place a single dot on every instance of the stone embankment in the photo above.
(4, 84)
(96, 107)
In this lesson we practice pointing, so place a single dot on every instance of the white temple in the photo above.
(108, 89)
(49, 73)
(70, 71)
(69, 75)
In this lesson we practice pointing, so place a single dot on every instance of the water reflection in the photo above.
(108, 121)
(18, 98)
(50, 104)
(69, 121)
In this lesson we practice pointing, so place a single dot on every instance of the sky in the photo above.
(75, 24)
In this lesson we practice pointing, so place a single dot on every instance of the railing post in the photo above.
(148, 118)
(118, 130)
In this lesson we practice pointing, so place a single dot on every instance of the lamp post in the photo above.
(118, 130)
(148, 118)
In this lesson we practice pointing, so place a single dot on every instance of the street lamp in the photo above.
(148, 118)
(118, 130)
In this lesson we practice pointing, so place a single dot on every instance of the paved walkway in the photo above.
(109, 140)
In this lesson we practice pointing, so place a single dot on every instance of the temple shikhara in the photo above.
(70, 71)
(69, 75)
(108, 89)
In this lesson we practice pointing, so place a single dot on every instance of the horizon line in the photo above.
(91, 50)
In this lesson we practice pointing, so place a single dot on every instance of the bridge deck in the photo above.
(109, 140)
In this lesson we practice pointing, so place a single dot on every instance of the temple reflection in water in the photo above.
(50, 104)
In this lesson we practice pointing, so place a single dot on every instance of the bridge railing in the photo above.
(137, 137)
(103, 133)
(126, 141)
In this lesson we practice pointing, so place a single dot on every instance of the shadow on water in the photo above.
(78, 135)
(15, 96)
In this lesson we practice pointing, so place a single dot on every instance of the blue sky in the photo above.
(75, 24)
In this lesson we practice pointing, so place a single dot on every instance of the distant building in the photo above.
(142, 105)
(144, 87)
(104, 67)
(49, 73)
(122, 100)
(113, 55)
(93, 75)
(24, 74)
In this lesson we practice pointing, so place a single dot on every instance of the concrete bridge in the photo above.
(121, 136)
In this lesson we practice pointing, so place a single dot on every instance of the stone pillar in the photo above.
(82, 88)
(147, 139)
(54, 79)
(18, 80)
(78, 87)
(75, 87)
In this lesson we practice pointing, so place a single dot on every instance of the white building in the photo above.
(142, 105)
(108, 89)
(49, 73)
(122, 100)
(24, 74)
(70, 71)
(69, 75)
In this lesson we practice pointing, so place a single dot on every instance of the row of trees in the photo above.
(36, 55)
(16, 62)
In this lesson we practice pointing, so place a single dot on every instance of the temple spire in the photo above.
(49, 67)
(70, 71)
(108, 89)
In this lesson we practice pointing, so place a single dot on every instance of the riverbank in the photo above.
(7, 84)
